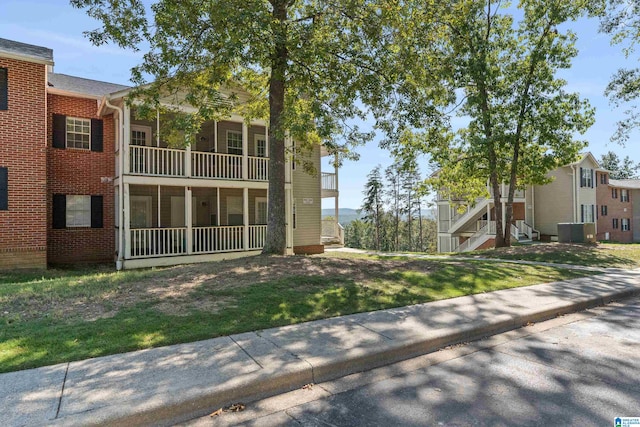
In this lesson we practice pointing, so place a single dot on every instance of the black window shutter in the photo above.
(96, 211)
(4, 89)
(4, 189)
(581, 178)
(592, 213)
(592, 178)
(59, 131)
(97, 135)
(59, 211)
(581, 213)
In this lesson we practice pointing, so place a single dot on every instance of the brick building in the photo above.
(84, 179)
(618, 209)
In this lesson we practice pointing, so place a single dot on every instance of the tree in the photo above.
(304, 62)
(392, 174)
(622, 21)
(372, 206)
(500, 76)
(620, 169)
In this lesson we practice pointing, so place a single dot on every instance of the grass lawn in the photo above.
(600, 255)
(54, 316)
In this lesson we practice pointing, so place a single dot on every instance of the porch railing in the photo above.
(150, 242)
(472, 242)
(329, 181)
(257, 236)
(156, 161)
(216, 165)
(218, 239)
(258, 169)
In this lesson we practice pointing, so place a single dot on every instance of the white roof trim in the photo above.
(26, 58)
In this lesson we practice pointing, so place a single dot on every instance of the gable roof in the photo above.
(587, 156)
(79, 85)
(26, 52)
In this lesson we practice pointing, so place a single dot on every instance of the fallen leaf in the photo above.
(307, 386)
(216, 413)
(236, 407)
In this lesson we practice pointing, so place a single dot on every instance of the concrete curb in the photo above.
(170, 409)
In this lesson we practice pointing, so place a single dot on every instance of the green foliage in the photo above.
(499, 74)
(619, 168)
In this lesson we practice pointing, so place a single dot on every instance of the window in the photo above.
(78, 133)
(74, 211)
(586, 213)
(625, 224)
(615, 223)
(586, 177)
(4, 89)
(624, 195)
(4, 189)
(140, 135)
(261, 210)
(78, 211)
(234, 211)
(614, 193)
(234, 142)
(603, 178)
(603, 210)
(261, 145)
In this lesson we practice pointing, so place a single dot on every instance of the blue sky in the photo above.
(57, 25)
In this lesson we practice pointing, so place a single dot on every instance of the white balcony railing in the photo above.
(258, 169)
(478, 237)
(257, 236)
(216, 165)
(329, 181)
(150, 242)
(156, 161)
(218, 239)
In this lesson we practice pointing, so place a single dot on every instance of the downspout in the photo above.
(575, 194)
(119, 261)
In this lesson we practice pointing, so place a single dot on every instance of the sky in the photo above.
(57, 25)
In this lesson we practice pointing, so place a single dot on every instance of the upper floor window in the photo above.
(78, 133)
(615, 223)
(603, 210)
(624, 195)
(234, 142)
(624, 224)
(75, 132)
(614, 193)
(4, 89)
(261, 146)
(603, 178)
(586, 177)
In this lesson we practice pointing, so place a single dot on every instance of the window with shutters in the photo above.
(4, 89)
(78, 211)
(586, 178)
(615, 223)
(587, 213)
(603, 178)
(603, 210)
(614, 193)
(78, 133)
(625, 224)
(624, 195)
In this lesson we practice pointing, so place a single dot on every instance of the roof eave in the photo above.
(26, 58)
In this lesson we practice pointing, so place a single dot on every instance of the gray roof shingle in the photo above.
(625, 183)
(83, 86)
(28, 51)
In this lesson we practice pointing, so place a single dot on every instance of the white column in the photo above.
(289, 219)
(159, 207)
(266, 142)
(127, 222)
(215, 136)
(504, 218)
(245, 151)
(127, 138)
(188, 212)
(287, 162)
(218, 220)
(245, 215)
(187, 161)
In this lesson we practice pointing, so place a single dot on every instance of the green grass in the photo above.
(31, 338)
(601, 255)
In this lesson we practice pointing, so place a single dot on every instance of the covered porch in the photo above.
(172, 221)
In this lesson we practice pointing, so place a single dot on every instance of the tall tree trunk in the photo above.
(420, 224)
(276, 241)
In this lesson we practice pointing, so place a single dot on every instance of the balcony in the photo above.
(169, 162)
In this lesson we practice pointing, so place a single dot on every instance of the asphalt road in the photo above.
(577, 370)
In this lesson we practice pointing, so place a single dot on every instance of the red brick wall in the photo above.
(79, 172)
(615, 209)
(23, 230)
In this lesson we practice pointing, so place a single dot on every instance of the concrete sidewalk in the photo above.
(175, 383)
